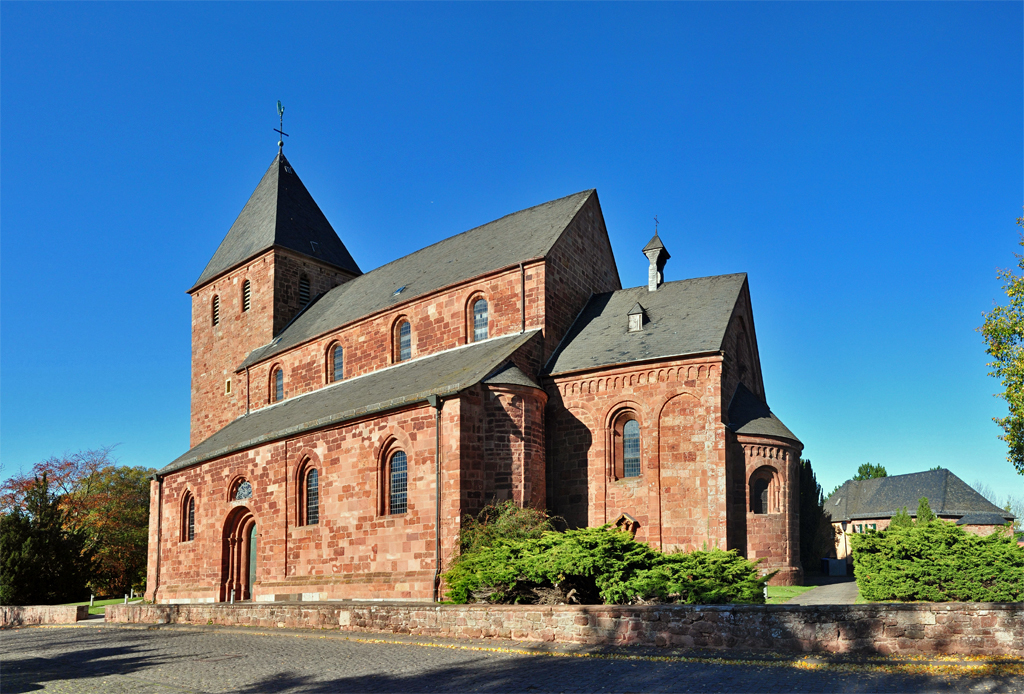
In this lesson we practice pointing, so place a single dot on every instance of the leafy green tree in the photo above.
(117, 525)
(42, 562)
(1003, 331)
(924, 511)
(867, 471)
(817, 536)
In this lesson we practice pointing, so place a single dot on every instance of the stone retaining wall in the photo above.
(923, 628)
(19, 616)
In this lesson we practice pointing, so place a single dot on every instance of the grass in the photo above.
(780, 594)
(98, 605)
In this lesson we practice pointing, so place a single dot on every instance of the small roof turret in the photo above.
(657, 254)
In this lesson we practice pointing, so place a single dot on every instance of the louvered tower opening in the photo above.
(216, 310)
(246, 295)
(303, 290)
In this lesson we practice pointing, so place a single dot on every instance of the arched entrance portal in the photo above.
(238, 564)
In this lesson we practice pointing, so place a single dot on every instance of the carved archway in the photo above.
(239, 555)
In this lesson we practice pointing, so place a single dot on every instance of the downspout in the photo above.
(159, 519)
(522, 296)
(437, 403)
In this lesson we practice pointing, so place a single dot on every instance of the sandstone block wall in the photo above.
(917, 629)
(20, 616)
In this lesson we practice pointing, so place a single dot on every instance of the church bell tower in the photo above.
(279, 256)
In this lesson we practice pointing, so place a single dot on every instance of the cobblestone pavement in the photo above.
(209, 659)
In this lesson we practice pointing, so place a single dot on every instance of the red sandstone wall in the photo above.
(743, 361)
(218, 350)
(353, 552)
(581, 263)
(880, 629)
(679, 499)
(774, 537)
(438, 322)
(22, 616)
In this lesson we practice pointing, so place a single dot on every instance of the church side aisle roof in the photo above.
(441, 374)
(683, 317)
(749, 414)
(514, 238)
(883, 497)
(280, 212)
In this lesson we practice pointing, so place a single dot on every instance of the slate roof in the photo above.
(442, 374)
(656, 243)
(947, 494)
(982, 519)
(682, 317)
(748, 414)
(510, 375)
(280, 212)
(514, 238)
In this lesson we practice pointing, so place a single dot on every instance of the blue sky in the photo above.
(861, 161)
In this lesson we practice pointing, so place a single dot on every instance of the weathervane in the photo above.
(280, 113)
(655, 216)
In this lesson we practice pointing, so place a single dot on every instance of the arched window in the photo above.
(479, 320)
(277, 385)
(404, 341)
(631, 449)
(398, 483)
(303, 290)
(626, 446)
(246, 295)
(759, 496)
(312, 497)
(336, 365)
(216, 310)
(188, 518)
(243, 490)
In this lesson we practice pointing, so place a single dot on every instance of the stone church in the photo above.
(344, 422)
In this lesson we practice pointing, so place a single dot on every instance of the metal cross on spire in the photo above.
(280, 113)
(655, 220)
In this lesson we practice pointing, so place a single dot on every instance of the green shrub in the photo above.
(938, 561)
(600, 565)
(501, 520)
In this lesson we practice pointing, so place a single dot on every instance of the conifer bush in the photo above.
(599, 565)
(937, 561)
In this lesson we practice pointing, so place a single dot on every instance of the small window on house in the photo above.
(246, 295)
(312, 497)
(216, 310)
(277, 385)
(303, 290)
(398, 477)
(873, 526)
(227, 387)
(337, 365)
(479, 320)
(631, 449)
(404, 341)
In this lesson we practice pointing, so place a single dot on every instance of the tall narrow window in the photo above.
(191, 533)
(246, 295)
(337, 363)
(278, 391)
(216, 310)
(312, 497)
(399, 484)
(631, 449)
(303, 290)
(760, 496)
(479, 320)
(404, 341)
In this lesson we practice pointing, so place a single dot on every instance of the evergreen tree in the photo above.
(901, 519)
(867, 471)
(41, 563)
(924, 511)
(817, 537)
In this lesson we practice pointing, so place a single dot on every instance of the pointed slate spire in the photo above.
(657, 254)
(280, 212)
